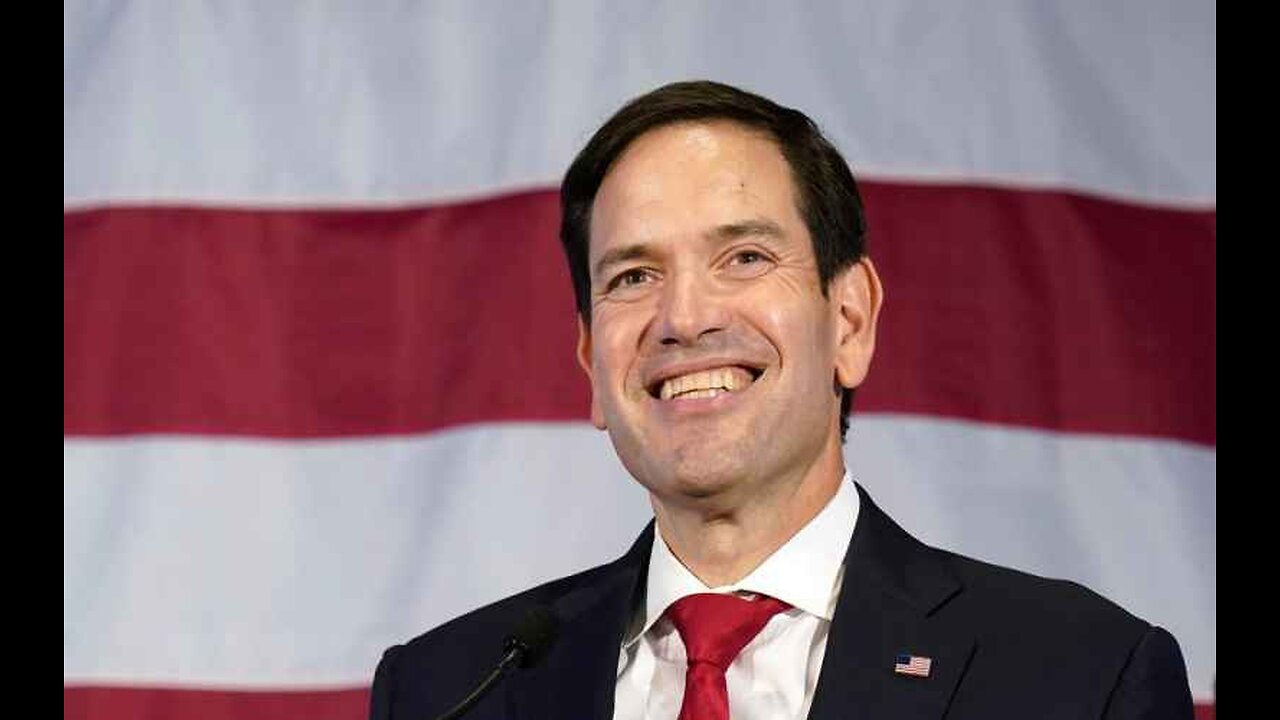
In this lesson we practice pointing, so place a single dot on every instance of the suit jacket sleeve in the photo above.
(1154, 681)
(383, 682)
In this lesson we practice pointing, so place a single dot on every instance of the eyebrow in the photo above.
(746, 228)
(621, 254)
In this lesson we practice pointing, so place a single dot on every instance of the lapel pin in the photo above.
(915, 665)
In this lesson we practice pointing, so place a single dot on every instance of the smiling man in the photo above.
(727, 311)
(717, 357)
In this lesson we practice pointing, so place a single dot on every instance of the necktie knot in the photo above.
(715, 627)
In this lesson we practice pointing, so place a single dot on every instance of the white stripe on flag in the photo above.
(272, 103)
(276, 564)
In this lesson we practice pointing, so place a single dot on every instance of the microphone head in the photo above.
(534, 635)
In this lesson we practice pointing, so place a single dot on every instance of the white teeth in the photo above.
(705, 383)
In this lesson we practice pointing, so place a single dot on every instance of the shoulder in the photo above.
(1002, 607)
(427, 674)
(1044, 646)
(458, 652)
(1003, 599)
(480, 634)
(1048, 635)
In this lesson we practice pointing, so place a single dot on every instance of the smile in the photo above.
(705, 383)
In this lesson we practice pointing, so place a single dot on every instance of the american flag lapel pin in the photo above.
(916, 665)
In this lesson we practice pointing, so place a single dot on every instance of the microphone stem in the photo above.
(507, 661)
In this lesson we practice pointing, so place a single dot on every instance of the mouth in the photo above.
(707, 383)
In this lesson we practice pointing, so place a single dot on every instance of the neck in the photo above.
(721, 543)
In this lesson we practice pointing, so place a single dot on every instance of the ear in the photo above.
(856, 295)
(584, 360)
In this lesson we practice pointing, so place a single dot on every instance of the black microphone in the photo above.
(524, 647)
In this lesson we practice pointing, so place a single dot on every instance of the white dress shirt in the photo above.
(775, 674)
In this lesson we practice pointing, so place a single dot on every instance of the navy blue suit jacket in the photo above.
(1004, 644)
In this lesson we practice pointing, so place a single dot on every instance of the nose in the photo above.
(689, 310)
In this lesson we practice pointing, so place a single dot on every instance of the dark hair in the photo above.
(826, 193)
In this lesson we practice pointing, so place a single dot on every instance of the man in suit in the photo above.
(727, 311)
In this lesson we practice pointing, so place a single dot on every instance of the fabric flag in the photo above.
(319, 388)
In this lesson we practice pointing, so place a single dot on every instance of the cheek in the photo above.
(613, 355)
(804, 338)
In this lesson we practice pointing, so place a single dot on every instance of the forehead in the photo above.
(686, 178)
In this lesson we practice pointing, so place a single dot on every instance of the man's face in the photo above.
(715, 360)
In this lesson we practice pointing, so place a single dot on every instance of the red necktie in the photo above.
(715, 628)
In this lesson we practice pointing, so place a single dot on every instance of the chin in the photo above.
(702, 462)
(698, 473)
(701, 481)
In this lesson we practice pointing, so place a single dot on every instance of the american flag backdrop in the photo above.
(319, 389)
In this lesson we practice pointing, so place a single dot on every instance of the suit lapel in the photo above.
(893, 587)
(578, 676)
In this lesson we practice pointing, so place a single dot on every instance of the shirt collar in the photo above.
(804, 572)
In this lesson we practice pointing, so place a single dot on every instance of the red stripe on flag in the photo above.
(1045, 309)
(317, 323)
(125, 703)
(1039, 309)
(128, 703)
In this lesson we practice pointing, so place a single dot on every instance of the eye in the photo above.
(747, 263)
(629, 278)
